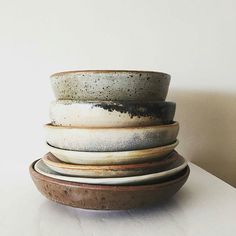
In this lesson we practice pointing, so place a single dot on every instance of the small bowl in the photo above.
(111, 139)
(111, 114)
(112, 158)
(172, 161)
(110, 85)
(102, 197)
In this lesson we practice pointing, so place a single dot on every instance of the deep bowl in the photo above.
(103, 197)
(111, 139)
(110, 85)
(111, 114)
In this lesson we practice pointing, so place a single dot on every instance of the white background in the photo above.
(194, 41)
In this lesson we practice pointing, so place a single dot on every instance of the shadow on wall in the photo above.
(207, 130)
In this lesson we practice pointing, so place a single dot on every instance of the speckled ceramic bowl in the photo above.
(105, 197)
(105, 85)
(111, 139)
(171, 161)
(112, 158)
(111, 114)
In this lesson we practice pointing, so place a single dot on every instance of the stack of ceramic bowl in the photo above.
(111, 141)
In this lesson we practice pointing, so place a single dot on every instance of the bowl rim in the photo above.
(160, 148)
(61, 73)
(177, 178)
(129, 102)
(173, 124)
(173, 156)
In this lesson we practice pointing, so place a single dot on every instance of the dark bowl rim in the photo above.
(184, 175)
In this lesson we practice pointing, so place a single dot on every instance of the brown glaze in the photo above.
(107, 197)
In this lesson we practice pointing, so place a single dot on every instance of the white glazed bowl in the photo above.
(110, 114)
(111, 139)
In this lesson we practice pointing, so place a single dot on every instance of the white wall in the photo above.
(194, 41)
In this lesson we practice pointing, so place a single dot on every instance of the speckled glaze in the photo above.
(111, 114)
(173, 160)
(103, 197)
(112, 158)
(41, 168)
(111, 139)
(105, 85)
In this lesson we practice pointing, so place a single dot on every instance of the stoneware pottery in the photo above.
(109, 158)
(111, 114)
(105, 85)
(111, 139)
(173, 160)
(41, 168)
(103, 197)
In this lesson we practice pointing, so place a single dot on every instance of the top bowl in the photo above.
(113, 85)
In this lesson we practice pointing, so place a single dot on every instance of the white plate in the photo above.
(111, 139)
(109, 158)
(41, 168)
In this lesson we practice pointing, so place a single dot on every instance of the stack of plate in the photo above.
(111, 141)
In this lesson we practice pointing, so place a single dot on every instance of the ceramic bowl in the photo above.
(107, 197)
(105, 85)
(172, 161)
(41, 168)
(111, 139)
(111, 114)
(109, 158)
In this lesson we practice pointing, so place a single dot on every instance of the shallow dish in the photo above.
(107, 197)
(173, 160)
(110, 85)
(41, 168)
(111, 114)
(109, 158)
(110, 139)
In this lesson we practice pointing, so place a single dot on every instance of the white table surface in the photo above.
(204, 206)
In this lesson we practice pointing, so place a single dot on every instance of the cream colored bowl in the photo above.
(110, 114)
(111, 139)
(110, 158)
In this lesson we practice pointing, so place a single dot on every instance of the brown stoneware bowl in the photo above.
(102, 197)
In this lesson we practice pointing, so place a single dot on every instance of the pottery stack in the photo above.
(111, 141)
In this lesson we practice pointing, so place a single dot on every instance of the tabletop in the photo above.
(204, 206)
